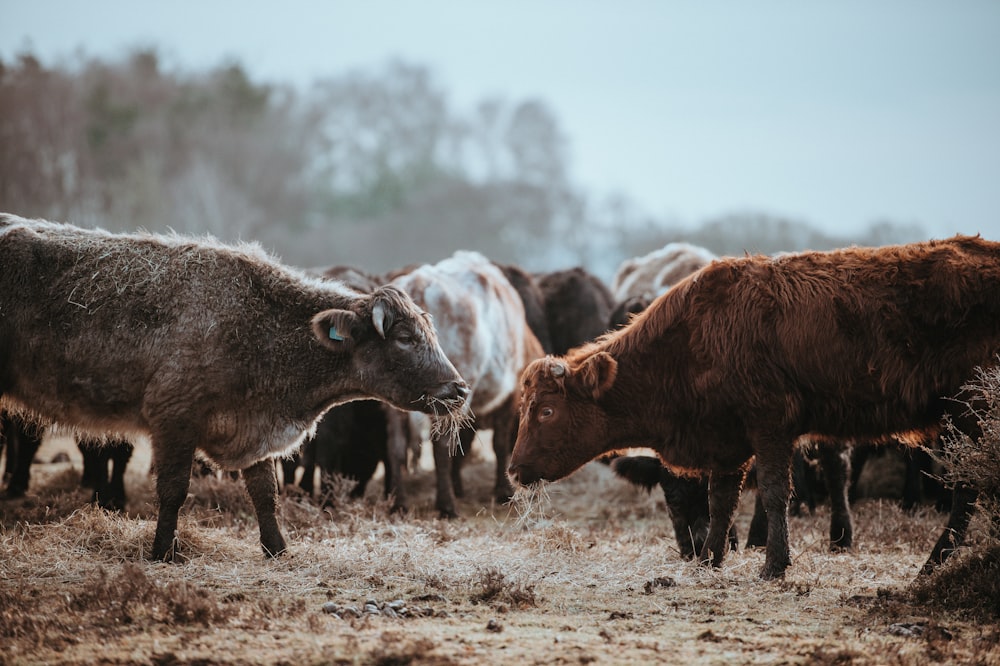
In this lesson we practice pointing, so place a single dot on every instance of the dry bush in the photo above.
(493, 587)
(131, 597)
(976, 462)
(971, 581)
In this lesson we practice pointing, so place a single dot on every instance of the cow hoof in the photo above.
(272, 543)
(114, 505)
(772, 572)
(172, 556)
(449, 514)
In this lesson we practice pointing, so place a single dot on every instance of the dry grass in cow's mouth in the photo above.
(531, 503)
(450, 418)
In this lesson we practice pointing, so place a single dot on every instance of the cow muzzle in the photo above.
(449, 397)
(523, 474)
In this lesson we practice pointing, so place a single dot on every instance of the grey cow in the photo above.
(200, 345)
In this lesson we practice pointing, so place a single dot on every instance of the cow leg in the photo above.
(262, 485)
(445, 501)
(8, 467)
(802, 492)
(723, 498)
(836, 463)
(109, 491)
(859, 455)
(465, 438)
(288, 467)
(757, 535)
(121, 452)
(307, 459)
(913, 480)
(774, 486)
(22, 445)
(687, 504)
(398, 429)
(172, 461)
(963, 506)
(504, 435)
(387, 472)
(91, 475)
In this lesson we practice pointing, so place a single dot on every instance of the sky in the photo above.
(839, 114)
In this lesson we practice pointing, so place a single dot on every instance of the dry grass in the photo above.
(588, 574)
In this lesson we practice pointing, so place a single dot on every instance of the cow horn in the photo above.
(379, 318)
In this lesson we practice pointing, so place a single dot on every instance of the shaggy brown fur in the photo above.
(745, 356)
(198, 346)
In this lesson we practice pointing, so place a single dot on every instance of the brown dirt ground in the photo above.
(573, 581)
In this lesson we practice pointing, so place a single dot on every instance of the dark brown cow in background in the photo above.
(749, 354)
(21, 442)
(533, 300)
(577, 307)
(104, 464)
(200, 345)
(686, 497)
(351, 439)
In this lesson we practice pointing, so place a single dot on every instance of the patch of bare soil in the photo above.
(591, 574)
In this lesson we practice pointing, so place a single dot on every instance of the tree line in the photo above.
(372, 168)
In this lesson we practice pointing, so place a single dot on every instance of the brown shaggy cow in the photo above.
(199, 346)
(748, 354)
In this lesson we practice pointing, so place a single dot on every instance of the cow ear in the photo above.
(383, 316)
(333, 328)
(597, 374)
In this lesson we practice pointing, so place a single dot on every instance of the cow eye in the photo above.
(545, 413)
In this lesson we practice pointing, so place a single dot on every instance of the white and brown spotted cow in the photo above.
(481, 326)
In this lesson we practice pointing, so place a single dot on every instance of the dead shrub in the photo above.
(976, 462)
(398, 650)
(131, 597)
(971, 581)
(31, 620)
(493, 587)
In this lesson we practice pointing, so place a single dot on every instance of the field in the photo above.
(590, 574)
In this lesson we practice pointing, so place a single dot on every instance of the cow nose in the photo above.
(522, 475)
(457, 390)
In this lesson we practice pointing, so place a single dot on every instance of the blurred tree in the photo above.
(41, 125)
(372, 168)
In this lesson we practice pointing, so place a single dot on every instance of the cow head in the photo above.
(394, 353)
(562, 424)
